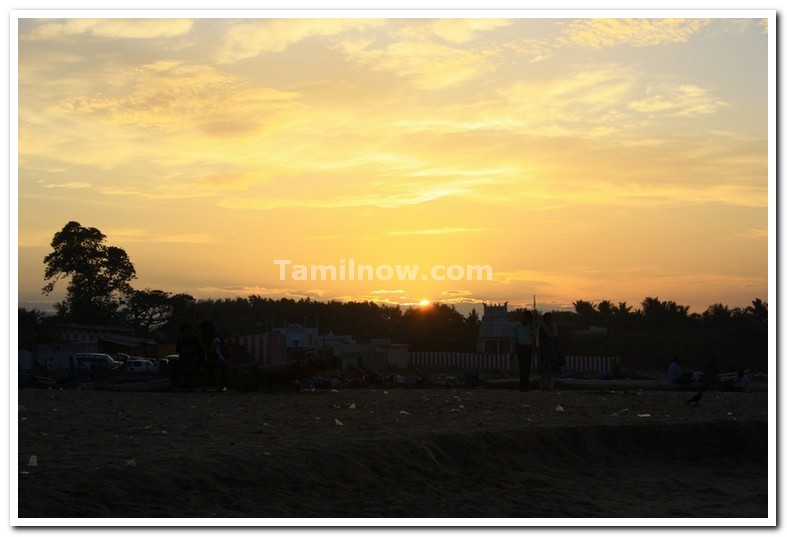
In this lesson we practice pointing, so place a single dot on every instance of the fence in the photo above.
(468, 360)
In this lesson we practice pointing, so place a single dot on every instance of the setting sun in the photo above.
(424, 302)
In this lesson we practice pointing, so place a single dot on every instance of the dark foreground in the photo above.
(411, 453)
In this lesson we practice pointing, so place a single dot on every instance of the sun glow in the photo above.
(424, 302)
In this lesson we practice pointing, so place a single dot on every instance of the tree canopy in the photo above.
(100, 275)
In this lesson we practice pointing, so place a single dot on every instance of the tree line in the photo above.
(100, 292)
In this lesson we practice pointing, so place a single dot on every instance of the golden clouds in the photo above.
(69, 185)
(426, 65)
(578, 100)
(109, 28)
(680, 100)
(247, 39)
(371, 198)
(457, 31)
(599, 33)
(172, 97)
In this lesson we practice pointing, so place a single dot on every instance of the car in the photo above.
(137, 365)
(162, 364)
(95, 360)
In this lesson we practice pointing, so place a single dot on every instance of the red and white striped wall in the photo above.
(254, 344)
(502, 361)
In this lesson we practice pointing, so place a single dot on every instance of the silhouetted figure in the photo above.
(547, 353)
(694, 401)
(677, 374)
(190, 364)
(743, 383)
(216, 354)
(522, 345)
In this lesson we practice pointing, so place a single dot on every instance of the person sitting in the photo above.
(677, 374)
(744, 382)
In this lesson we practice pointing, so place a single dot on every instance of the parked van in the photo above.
(90, 360)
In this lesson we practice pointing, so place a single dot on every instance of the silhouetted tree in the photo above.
(148, 309)
(99, 274)
(717, 315)
(758, 312)
(30, 327)
(657, 314)
(587, 312)
(605, 312)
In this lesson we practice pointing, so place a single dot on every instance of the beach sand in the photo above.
(390, 453)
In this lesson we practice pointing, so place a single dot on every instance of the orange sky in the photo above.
(594, 159)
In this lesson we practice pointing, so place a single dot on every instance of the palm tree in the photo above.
(586, 311)
(605, 310)
(717, 315)
(758, 311)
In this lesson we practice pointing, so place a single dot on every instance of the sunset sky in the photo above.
(579, 158)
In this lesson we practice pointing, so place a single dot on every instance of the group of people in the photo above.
(544, 338)
(199, 358)
(527, 340)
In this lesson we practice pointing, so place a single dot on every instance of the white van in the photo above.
(90, 360)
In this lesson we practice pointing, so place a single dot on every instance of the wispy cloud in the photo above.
(388, 292)
(424, 64)
(70, 185)
(442, 231)
(679, 100)
(579, 100)
(601, 33)
(135, 235)
(110, 28)
(248, 290)
(208, 186)
(173, 97)
(382, 200)
(252, 38)
(457, 31)
(752, 234)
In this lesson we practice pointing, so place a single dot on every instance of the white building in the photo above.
(494, 334)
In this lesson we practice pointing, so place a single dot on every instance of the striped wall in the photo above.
(259, 347)
(254, 344)
(502, 361)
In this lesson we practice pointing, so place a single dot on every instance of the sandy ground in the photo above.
(391, 453)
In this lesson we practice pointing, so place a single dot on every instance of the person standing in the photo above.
(190, 364)
(522, 346)
(547, 353)
(216, 354)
